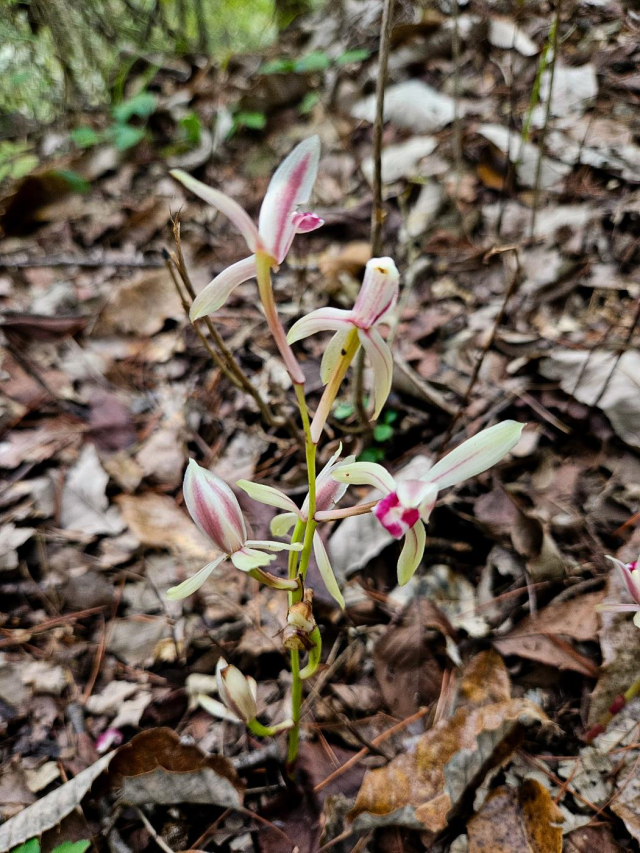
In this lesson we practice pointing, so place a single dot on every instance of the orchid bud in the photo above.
(378, 294)
(236, 691)
(300, 614)
(214, 508)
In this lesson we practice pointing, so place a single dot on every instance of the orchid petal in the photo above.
(226, 205)
(333, 354)
(236, 691)
(270, 545)
(282, 524)
(328, 490)
(627, 578)
(617, 607)
(322, 320)
(378, 294)
(636, 619)
(326, 572)
(427, 504)
(290, 186)
(365, 474)
(247, 559)
(216, 293)
(214, 508)
(381, 360)
(475, 455)
(268, 495)
(194, 583)
(411, 554)
(412, 493)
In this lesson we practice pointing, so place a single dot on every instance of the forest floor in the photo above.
(464, 702)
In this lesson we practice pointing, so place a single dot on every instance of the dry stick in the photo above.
(457, 127)
(547, 114)
(377, 209)
(621, 352)
(375, 742)
(148, 826)
(496, 325)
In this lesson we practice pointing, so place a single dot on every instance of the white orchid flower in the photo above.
(216, 511)
(630, 573)
(406, 505)
(278, 223)
(328, 493)
(378, 296)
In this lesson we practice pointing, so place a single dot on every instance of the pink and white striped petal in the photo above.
(247, 559)
(226, 205)
(411, 554)
(333, 354)
(216, 293)
(378, 294)
(365, 474)
(290, 186)
(188, 587)
(381, 360)
(630, 577)
(321, 320)
(214, 508)
(326, 570)
(268, 495)
(475, 455)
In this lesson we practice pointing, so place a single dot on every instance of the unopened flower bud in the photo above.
(236, 691)
(301, 614)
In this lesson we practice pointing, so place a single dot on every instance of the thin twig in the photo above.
(621, 352)
(159, 841)
(457, 126)
(547, 115)
(511, 288)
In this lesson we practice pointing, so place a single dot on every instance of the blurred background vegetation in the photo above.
(57, 54)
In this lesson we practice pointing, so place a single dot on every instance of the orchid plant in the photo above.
(403, 507)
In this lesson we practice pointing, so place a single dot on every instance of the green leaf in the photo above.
(21, 167)
(254, 120)
(372, 454)
(382, 432)
(343, 411)
(72, 847)
(32, 846)
(125, 136)
(308, 102)
(390, 416)
(357, 55)
(192, 128)
(278, 66)
(76, 182)
(84, 137)
(316, 61)
(142, 105)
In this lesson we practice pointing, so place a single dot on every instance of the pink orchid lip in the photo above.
(395, 518)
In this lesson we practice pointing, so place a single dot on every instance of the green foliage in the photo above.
(16, 160)
(248, 121)
(315, 61)
(120, 133)
(141, 105)
(33, 846)
(383, 432)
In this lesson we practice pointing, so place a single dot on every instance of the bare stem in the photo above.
(547, 113)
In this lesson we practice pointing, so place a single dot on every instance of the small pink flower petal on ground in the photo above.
(289, 187)
(214, 508)
(378, 294)
(411, 554)
(381, 360)
(395, 518)
(226, 205)
(475, 455)
(321, 320)
(218, 291)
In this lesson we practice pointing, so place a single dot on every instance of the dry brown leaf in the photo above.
(142, 305)
(159, 523)
(543, 637)
(422, 788)
(522, 819)
(50, 810)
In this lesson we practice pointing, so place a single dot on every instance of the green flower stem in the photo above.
(268, 731)
(351, 347)
(305, 554)
(314, 655)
